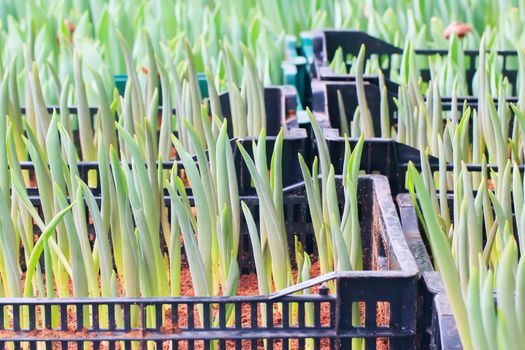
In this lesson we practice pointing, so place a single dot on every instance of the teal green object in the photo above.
(203, 84)
(295, 73)
(307, 46)
(290, 47)
(120, 82)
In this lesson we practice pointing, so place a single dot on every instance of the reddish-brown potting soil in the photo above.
(32, 183)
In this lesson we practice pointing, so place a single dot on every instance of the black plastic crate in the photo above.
(325, 104)
(280, 103)
(387, 286)
(442, 331)
(327, 41)
(428, 302)
(436, 324)
(296, 216)
(325, 83)
(389, 158)
(294, 143)
(380, 156)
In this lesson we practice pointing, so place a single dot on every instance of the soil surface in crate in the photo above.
(247, 287)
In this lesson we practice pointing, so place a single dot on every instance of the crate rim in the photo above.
(432, 291)
(321, 31)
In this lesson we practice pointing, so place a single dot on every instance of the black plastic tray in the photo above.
(280, 103)
(326, 107)
(327, 41)
(436, 325)
(442, 331)
(380, 156)
(295, 142)
(388, 157)
(390, 276)
(325, 103)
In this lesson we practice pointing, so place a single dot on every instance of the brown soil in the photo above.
(173, 153)
(383, 319)
(32, 182)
